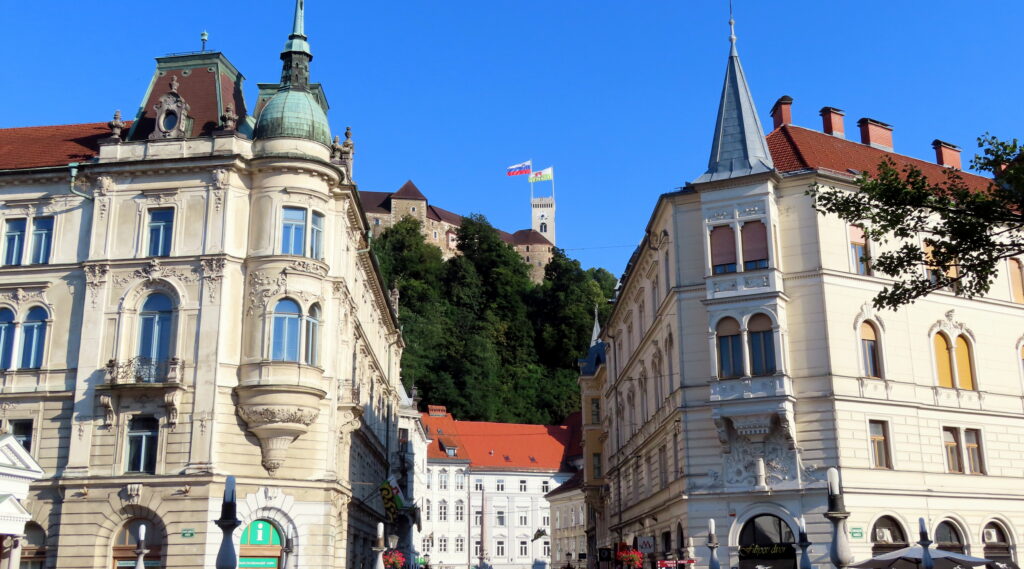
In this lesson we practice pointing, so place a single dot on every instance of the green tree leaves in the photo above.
(481, 338)
(945, 234)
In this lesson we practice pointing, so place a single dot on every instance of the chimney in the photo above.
(875, 134)
(781, 111)
(832, 121)
(947, 154)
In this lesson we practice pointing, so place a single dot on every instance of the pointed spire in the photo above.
(296, 55)
(597, 329)
(739, 147)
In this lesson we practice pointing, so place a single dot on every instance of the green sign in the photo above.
(258, 562)
(857, 533)
(131, 563)
(188, 532)
(261, 532)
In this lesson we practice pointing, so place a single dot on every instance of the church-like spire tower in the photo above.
(739, 147)
(296, 55)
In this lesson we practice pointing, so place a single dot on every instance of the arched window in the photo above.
(997, 546)
(943, 360)
(33, 548)
(127, 540)
(33, 338)
(730, 350)
(859, 251)
(948, 538)
(1016, 280)
(761, 341)
(543, 227)
(964, 369)
(6, 337)
(723, 250)
(887, 535)
(155, 337)
(869, 350)
(755, 245)
(285, 345)
(313, 335)
(643, 400)
(260, 545)
(767, 530)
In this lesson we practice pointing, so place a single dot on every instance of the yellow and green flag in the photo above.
(545, 175)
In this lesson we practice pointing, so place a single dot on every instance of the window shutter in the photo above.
(723, 245)
(755, 241)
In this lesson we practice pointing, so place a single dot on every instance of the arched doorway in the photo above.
(767, 540)
(887, 535)
(997, 546)
(127, 540)
(260, 546)
(949, 538)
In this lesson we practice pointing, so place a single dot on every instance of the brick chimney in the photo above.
(876, 134)
(947, 154)
(832, 121)
(782, 112)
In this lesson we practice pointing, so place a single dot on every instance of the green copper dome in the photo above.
(293, 113)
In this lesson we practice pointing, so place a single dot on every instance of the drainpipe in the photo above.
(73, 166)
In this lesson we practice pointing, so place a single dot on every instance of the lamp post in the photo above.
(926, 555)
(140, 549)
(805, 546)
(839, 550)
(713, 546)
(378, 547)
(227, 523)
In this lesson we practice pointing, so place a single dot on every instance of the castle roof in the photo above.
(529, 237)
(409, 191)
(57, 145)
(499, 446)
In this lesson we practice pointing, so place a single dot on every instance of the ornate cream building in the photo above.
(188, 295)
(744, 357)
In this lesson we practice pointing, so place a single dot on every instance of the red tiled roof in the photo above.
(409, 191)
(795, 148)
(529, 237)
(499, 446)
(374, 202)
(57, 145)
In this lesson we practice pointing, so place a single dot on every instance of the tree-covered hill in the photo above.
(481, 338)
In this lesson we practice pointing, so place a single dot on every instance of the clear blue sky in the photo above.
(619, 96)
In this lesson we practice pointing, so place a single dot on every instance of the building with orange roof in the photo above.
(484, 498)
(744, 357)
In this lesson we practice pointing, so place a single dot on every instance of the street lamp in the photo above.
(805, 546)
(426, 561)
(713, 546)
(839, 552)
(926, 556)
(392, 541)
(140, 550)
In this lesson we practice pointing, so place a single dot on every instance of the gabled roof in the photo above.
(409, 191)
(500, 446)
(16, 462)
(57, 145)
(375, 202)
(796, 149)
(738, 147)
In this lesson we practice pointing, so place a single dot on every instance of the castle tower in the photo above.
(543, 213)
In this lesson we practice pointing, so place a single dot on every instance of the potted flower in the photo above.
(393, 559)
(630, 558)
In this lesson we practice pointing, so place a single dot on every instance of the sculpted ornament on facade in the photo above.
(213, 272)
(312, 267)
(19, 296)
(259, 416)
(95, 278)
(153, 271)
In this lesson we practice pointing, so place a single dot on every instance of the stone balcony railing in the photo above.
(141, 369)
(751, 388)
(141, 375)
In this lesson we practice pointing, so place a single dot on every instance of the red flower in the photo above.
(394, 559)
(630, 558)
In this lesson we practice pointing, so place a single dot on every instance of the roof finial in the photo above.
(732, 27)
(596, 334)
(299, 24)
(203, 37)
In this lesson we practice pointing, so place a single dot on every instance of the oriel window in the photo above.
(293, 231)
(14, 241)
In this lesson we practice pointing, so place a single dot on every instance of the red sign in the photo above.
(663, 563)
(687, 561)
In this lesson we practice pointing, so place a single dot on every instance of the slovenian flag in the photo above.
(520, 169)
(545, 175)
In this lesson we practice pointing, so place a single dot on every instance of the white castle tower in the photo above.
(543, 214)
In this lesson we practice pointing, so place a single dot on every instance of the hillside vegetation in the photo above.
(481, 338)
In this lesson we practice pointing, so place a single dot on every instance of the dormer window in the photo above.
(450, 451)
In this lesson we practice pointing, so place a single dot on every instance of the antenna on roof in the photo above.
(203, 37)
(732, 26)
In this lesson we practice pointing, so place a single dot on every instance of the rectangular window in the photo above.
(545, 519)
(663, 467)
(762, 352)
(142, 443)
(478, 484)
(478, 550)
(478, 518)
(42, 240)
(859, 250)
(316, 237)
(442, 480)
(499, 548)
(430, 475)
(499, 518)
(460, 512)
(14, 241)
(730, 356)
(723, 250)
(879, 433)
(442, 512)
(522, 486)
(871, 359)
(596, 462)
(595, 411)
(460, 544)
(951, 442)
(499, 485)
(460, 481)
(545, 486)
(22, 431)
(293, 231)
(524, 549)
(524, 519)
(972, 445)
(442, 544)
(755, 245)
(161, 227)
(547, 548)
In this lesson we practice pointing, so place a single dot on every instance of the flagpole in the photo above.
(528, 181)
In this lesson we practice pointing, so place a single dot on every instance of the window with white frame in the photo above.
(42, 240)
(442, 511)
(499, 518)
(460, 480)
(296, 224)
(478, 484)
(524, 518)
(522, 486)
(499, 485)
(460, 511)
(143, 433)
(161, 231)
(33, 338)
(442, 480)
(460, 544)
(499, 548)
(524, 548)
(881, 456)
(442, 544)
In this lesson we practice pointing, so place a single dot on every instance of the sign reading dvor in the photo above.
(770, 551)
(645, 544)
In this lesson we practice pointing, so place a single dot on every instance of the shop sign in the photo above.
(188, 532)
(258, 562)
(857, 533)
(645, 544)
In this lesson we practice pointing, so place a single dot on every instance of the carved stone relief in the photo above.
(95, 278)
(213, 272)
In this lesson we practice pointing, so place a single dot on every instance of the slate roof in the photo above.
(499, 446)
(57, 145)
(409, 191)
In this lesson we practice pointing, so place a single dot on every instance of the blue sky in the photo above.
(619, 96)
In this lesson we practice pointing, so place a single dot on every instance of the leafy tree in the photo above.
(967, 231)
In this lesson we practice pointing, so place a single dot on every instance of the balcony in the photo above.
(141, 377)
(751, 388)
